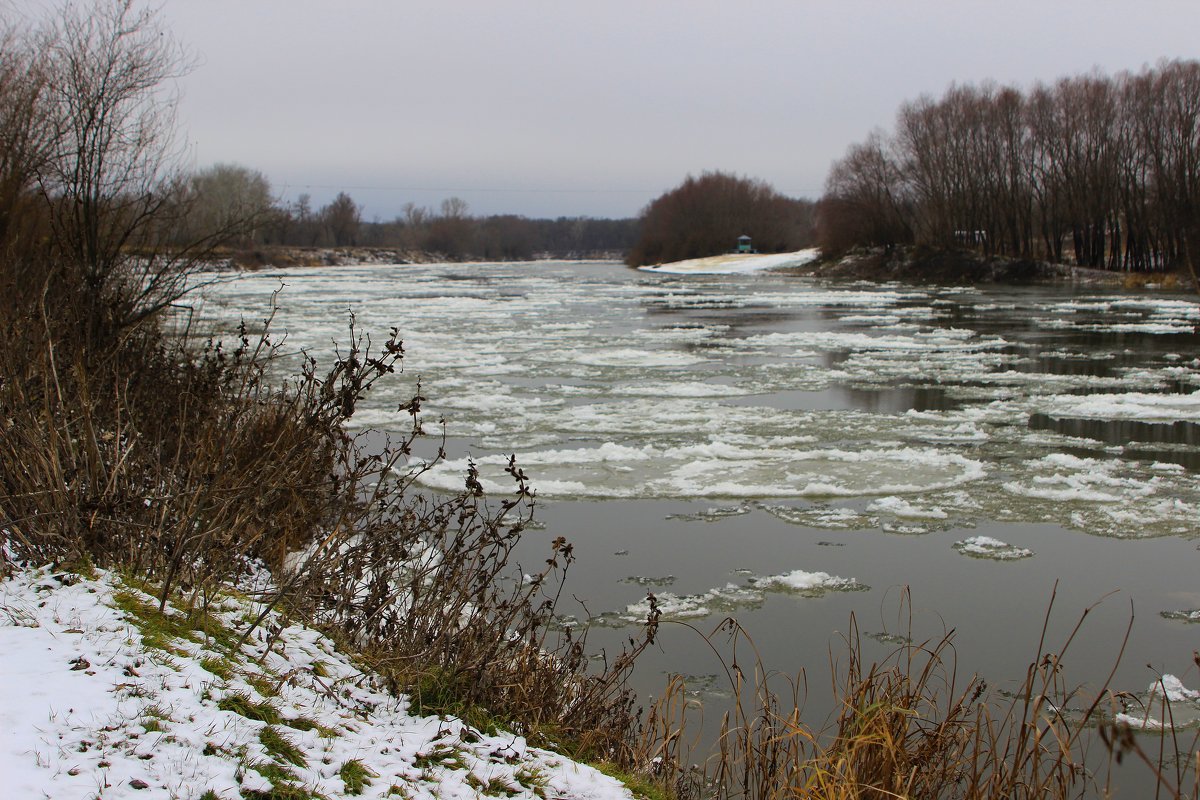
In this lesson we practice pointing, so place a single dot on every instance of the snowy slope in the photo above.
(97, 702)
(735, 263)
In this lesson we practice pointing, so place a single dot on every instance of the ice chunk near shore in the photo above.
(1167, 704)
(994, 549)
(1174, 690)
(809, 584)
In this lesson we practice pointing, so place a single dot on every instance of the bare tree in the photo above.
(25, 143)
(115, 164)
(343, 218)
(226, 202)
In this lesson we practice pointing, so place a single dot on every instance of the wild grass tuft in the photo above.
(220, 666)
(242, 704)
(284, 784)
(280, 747)
(355, 776)
(442, 756)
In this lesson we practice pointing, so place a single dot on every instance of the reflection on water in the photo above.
(1135, 438)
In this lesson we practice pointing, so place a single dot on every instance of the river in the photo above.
(791, 451)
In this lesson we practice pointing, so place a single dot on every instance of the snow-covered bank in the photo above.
(101, 699)
(735, 263)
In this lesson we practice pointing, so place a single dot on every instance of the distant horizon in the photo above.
(550, 110)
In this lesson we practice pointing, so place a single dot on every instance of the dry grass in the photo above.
(908, 727)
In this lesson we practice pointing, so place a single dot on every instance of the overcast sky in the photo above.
(566, 107)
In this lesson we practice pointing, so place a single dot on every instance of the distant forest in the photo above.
(449, 232)
(702, 216)
(1100, 171)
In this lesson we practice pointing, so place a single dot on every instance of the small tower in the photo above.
(744, 244)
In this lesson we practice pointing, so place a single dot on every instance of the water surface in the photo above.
(726, 441)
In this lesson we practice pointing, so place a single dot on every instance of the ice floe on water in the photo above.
(994, 549)
(731, 597)
(1161, 408)
(721, 469)
(905, 509)
(1191, 615)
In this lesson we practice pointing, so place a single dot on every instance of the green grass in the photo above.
(242, 704)
(499, 788)
(262, 684)
(441, 756)
(280, 747)
(439, 694)
(159, 631)
(355, 776)
(641, 786)
(305, 724)
(533, 780)
(283, 784)
(220, 666)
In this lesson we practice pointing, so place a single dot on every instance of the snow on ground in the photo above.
(734, 263)
(96, 706)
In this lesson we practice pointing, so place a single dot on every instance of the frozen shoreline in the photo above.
(735, 263)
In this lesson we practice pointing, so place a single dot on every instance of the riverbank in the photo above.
(120, 700)
(922, 265)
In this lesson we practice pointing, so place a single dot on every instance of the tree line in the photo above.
(703, 216)
(1096, 170)
(224, 192)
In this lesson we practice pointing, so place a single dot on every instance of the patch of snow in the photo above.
(89, 710)
(735, 263)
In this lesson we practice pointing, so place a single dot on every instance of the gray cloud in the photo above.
(566, 108)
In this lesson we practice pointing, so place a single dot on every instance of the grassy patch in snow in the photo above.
(161, 630)
(442, 756)
(355, 776)
(280, 747)
(242, 704)
(220, 666)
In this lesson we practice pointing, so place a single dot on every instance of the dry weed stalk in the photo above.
(907, 727)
